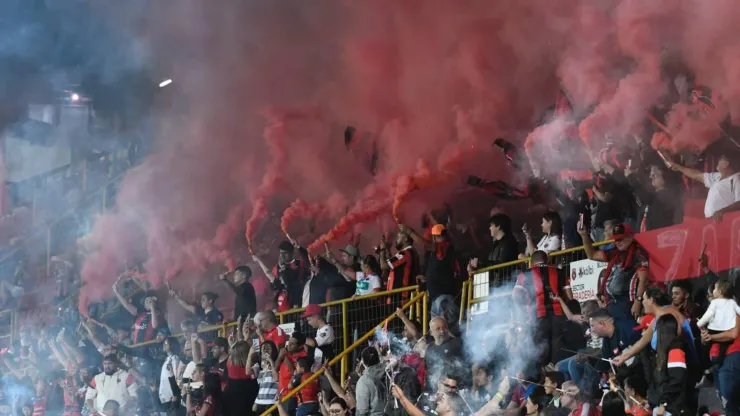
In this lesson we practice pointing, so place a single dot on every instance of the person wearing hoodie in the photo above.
(371, 391)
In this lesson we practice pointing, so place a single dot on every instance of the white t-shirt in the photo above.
(366, 284)
(324, 335)
(549, 243)
(189, 370)
(722, 192)
(720, 316)
(165, 391)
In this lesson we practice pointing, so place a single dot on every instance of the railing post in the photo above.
(345, 335)
(424, 314)
(463, 298)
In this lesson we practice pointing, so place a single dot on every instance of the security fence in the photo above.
(349, 318)
(487, 284)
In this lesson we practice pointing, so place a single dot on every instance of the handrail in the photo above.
(344, 353)
(211, 328)
(550, 255)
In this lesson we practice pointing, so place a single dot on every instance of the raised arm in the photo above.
(124, 302)
(588, 247)
(694, 174)
(408, 324)
(190, 307)
(91, 334)
(266, 270)
(195, 345)
(419, 241)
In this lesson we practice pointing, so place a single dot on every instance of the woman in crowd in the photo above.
(337, 407)
(241, 386)
(267, 379)
(552, 227)
(212, 404)
(671, 370)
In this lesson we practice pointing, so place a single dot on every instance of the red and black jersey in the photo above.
(143, 328)
(540, 282)
(39, 405)
(289, 282)
(620, 276)
(404, 268)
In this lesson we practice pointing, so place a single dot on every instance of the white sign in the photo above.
(288, 328)
(584, 278)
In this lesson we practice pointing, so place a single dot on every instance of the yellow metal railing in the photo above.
(293, 315)
(482, 281)
(419, 297)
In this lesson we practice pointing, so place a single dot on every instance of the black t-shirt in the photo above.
(212, 317)
(219, 368)
(246, 301)
(442, 271)
(444, 359)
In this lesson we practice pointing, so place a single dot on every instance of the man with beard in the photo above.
(112, 384)
(626, 276)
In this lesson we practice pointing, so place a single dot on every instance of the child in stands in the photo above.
(720, 317)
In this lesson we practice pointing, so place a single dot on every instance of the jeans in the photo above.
(581, 373)
(308, 409)
(728, 384)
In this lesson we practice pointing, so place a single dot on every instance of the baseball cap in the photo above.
(438, 229)
(645, 322)
(622, 230)
(311, 310)
(351, 250)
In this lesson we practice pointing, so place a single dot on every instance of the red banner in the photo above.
(674, 251)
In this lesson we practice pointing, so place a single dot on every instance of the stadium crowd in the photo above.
(639, 348)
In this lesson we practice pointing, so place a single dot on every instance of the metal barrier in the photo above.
(362, 313)
(482, 285)
(348, 316)
(417, 299)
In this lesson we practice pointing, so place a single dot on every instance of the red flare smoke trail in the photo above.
(298, 208)
(274, 135)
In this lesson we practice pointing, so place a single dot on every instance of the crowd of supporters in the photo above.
(637, 348)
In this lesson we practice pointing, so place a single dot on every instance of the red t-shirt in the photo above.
(285, 373)
(310, 392)
(236, 372)
(276, 335)
(734, 347)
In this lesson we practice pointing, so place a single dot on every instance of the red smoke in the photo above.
(435, 82)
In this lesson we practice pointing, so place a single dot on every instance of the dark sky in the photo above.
(50, 45)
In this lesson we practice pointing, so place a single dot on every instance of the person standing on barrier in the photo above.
(442, 278)
(626, 276)
(288, 276)
(402, 268)
(245, 302)
(544, 284)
